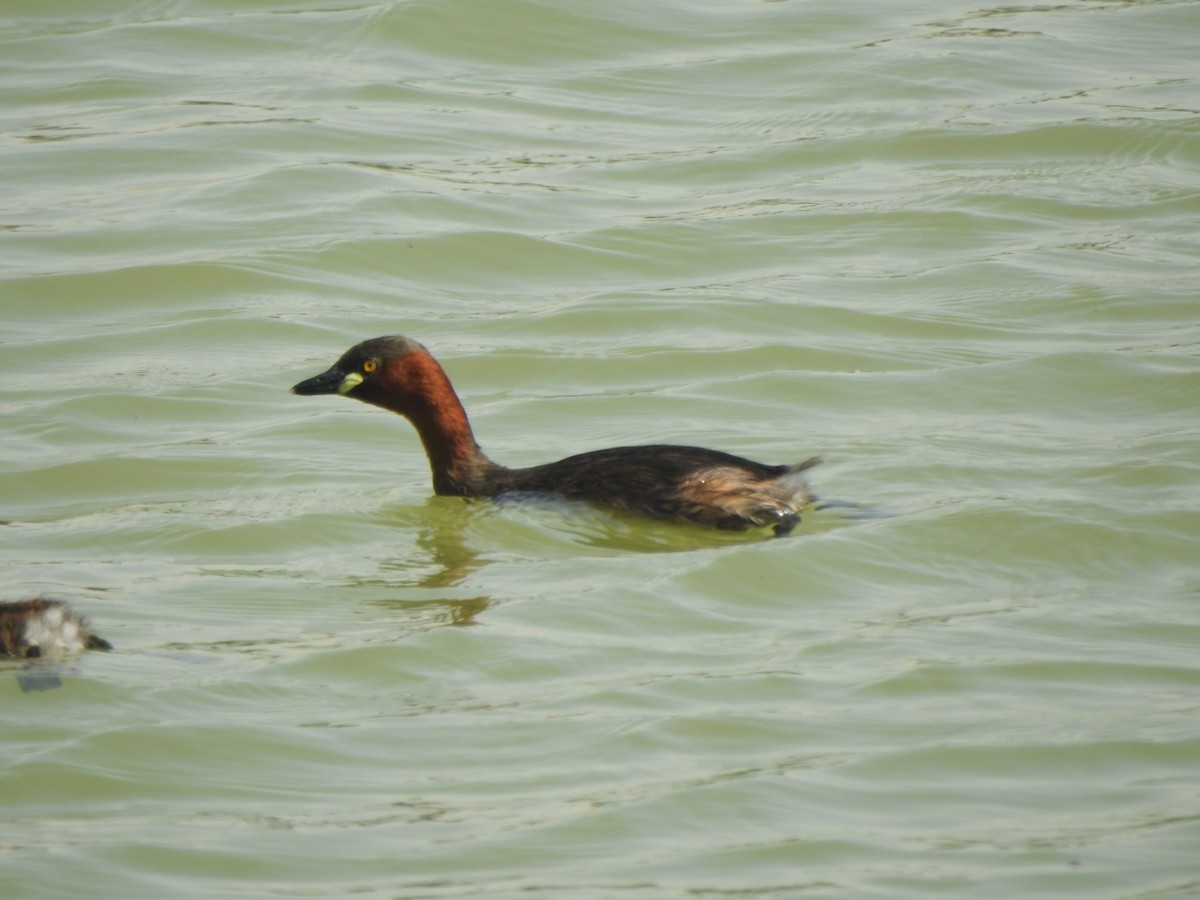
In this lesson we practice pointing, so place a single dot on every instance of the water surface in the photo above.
(952, 249)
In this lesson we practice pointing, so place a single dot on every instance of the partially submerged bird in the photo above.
(31, 629)
(662, 481)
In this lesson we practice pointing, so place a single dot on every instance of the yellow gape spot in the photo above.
(350, 382)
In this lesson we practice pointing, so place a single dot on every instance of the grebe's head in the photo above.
(383, 371)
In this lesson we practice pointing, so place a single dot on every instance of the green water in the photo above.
(951, 249)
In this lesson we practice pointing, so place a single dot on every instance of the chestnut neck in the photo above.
(416, 387)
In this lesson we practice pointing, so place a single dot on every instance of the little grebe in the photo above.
(662, 481)
(30, 629)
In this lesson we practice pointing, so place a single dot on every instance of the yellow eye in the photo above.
(370, 366)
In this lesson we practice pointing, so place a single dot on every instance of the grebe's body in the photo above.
(30, 629)
(662, 481)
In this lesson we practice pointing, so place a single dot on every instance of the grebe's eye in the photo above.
(370, 366)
